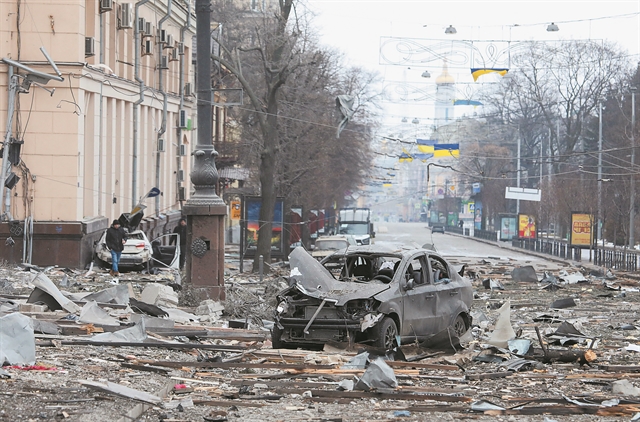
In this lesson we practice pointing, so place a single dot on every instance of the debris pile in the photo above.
(85, 350)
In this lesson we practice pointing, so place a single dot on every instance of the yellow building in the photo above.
(118, 123)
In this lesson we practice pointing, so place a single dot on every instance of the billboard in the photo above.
(508, 227)
(581, 229)
(526, 226)
(252, 224)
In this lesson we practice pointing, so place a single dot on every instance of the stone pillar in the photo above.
(204, 210)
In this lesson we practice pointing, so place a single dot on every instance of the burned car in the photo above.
(370, 295)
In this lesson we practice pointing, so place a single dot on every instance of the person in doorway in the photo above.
(116, 238)
(181, 230)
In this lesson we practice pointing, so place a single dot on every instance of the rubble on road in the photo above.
(100, 352)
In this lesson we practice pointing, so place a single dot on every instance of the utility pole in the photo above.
(599, 171)
(518, 173)
(632, 197)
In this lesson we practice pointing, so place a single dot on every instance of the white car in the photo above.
(135, 255)
(139, 253)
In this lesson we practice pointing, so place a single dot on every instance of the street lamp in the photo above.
(450, 30)
(552, 27)
(426, 74)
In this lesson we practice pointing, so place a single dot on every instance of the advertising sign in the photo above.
(252, 224)
(526, 226)
(581, 229)
(235, 210)
(508, 228)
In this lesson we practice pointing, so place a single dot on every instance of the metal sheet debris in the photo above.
(46, 286)
(91, 313)
(17, 342)
(503, 331)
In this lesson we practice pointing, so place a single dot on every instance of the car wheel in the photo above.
(385, 334)
(459, 326)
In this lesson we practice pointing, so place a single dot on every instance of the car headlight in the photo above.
(365, 241)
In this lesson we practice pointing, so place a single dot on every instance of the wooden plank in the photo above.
(229, 365)
(145, 368)
(226, 403)
(620, 368)
(401, 364)
(379, 395)
(157, 345)
(488, 375)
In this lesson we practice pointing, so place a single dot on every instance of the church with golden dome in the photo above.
(445, 96)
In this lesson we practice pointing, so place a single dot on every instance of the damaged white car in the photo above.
(370, 295)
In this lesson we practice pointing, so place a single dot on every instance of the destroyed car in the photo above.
(370, 295)
(139, 253)
(326, 245)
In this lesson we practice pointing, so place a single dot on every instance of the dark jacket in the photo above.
(115, 238)
(182, 232)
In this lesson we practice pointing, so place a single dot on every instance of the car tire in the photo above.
(384, 334)
(459, 326)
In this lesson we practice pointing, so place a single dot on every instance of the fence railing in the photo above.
(486, 234)
(618, 258)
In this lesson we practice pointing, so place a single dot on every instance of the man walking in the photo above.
(181, 230)
(116, 238)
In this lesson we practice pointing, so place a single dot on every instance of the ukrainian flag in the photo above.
(422, 157)
(405, 157)
(477, 72)
(425, 145)
(446, 150)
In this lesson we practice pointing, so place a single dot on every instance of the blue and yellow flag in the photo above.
(477, 72)
(405, 157)
(422, 157)
(446, 150)
(425, 145)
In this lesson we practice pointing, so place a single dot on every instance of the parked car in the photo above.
(437, 228)
(139, 253)
(370, 294)
(326, 245)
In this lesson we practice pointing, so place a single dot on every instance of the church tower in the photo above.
(445, 95)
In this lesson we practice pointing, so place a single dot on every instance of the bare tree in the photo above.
(291, 84)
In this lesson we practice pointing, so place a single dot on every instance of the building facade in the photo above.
(120, 123)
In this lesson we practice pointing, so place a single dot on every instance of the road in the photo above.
(454, 247)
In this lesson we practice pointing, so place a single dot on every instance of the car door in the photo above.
(446, 291)
(169, 256)
(420, 302)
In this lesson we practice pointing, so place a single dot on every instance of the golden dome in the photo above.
(445, 77)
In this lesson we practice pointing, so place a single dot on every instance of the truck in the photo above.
(356, 222)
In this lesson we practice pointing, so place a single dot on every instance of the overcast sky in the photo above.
(356, 27)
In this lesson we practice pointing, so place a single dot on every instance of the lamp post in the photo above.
(205, 210)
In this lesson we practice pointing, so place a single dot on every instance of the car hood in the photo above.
(314, 280)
